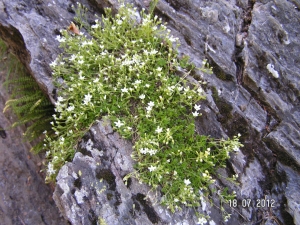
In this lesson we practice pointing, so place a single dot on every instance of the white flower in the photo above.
(179, 88)
(142, 96)
(70, 108)
(73, 57)
(187, 182)
(55, 158)
(50, 169)
(148, 108)
(146, 52)
(202, 221)
(47, 154)
(124, 90)
(80, 61)
(200, 90)
(60, 99)
(236, 148)
(119, 124)
(137, 82)
(152, 168)
(95, 26)
(147, 85)
(144, 150)
(158, 130)
(152, 151)
(195, 114)
(172, 39)
(60, 39)
(159, 69)
(87, 99)
(54, 63)
(197, 107)
(119, 22)
(151, 104)
(153, 52)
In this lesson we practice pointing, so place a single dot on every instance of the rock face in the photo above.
(254, 48)
(25, 198)
(91, 188)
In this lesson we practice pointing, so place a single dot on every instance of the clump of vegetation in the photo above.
(27, 101)
(124, 70)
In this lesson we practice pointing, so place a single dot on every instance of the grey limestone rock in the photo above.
(253, 47)
(91, 187)
(25, 198)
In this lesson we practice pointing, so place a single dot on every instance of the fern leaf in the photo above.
(36, 104)
(27, 101)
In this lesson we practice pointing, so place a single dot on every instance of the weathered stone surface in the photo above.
(25, 198)
(91, 187)
(254, 48)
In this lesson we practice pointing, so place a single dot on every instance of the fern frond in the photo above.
(28, 118)
(37, 148)
(21, 100)
(36, 104)
(38, 127)
(27, 101)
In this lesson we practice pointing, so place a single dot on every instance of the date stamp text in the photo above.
(258, 203)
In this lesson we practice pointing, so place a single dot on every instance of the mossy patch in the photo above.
(109, 196)
(282, 156)
(225, 108)
(108, 176)
(92, 217)
(220, 72)
(78, 183)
